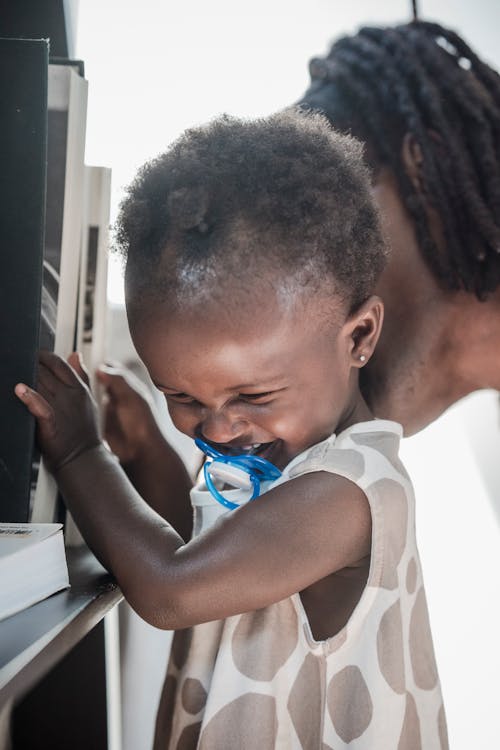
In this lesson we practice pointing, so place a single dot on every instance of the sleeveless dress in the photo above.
(260, 681)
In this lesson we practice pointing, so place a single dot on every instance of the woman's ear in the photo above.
(413, 159)
(363, 329)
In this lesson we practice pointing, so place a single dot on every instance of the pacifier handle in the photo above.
(257, 468)
(219, 496)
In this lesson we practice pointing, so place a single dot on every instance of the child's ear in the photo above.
(363, 329)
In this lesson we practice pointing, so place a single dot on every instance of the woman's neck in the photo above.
(455, 351)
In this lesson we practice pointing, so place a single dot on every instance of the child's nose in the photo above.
(222, 427)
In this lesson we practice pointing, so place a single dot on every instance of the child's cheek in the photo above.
(183, 418)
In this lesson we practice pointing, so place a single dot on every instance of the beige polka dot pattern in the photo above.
(256, 653)
(410, 733)
(247, 723)
(165, 715)
(189, 737)
(349, 703)
(305, 699)
(194, 696)
(395, 519)
(259, 681)
(180, 647)
(390, 648)
(422, 659)
(384, 442)
(345, 460)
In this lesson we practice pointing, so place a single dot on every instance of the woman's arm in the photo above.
(276, 545)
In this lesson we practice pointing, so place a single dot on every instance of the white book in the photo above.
(32, 564)
(67, 116)
(92, 298)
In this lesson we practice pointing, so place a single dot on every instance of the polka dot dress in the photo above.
(260, 681)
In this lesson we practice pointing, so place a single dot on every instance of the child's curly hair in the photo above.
(235, 197)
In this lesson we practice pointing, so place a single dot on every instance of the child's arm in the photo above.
(151, 464)
(296, 534)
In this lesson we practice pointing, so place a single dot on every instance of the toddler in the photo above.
(252, 249)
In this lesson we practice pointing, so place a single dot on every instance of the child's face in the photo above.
(265, 379)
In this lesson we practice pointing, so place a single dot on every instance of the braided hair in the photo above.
(423, 79)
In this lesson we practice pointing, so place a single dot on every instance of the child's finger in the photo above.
(36, 404)
(106, 370)
(123, 382)
(115, 382)
(47, 395)
(76, 362)
(47, 380)
(58, 367)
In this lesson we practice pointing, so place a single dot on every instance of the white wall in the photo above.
(156, 67)
(458, 534)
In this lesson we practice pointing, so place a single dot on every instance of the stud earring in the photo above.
(362, 358)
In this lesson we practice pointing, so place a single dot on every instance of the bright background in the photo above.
(155, 68)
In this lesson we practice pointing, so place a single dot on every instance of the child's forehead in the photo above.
(246, 286)
(238, 313)
(257, 276)
(264, 301)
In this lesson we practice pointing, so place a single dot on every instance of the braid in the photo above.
(423, 79)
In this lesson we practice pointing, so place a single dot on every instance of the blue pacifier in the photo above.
(244, 472)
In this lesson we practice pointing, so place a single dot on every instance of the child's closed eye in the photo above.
(180, 398)
(259, 398)
(255, 398)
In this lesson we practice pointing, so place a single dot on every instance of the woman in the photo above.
(428, 111)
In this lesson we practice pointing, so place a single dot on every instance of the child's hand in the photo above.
(63, 406)
(129, 422)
